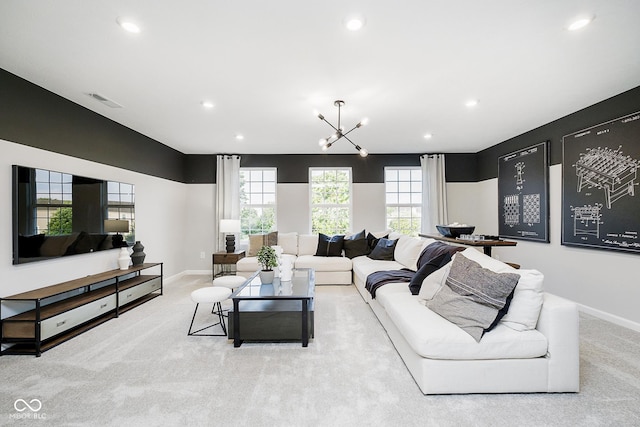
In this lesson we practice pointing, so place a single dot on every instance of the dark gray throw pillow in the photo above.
(329, 245)
(428, 268)
(383, 250)
(373, 240)
(356, 245)
(472, 296)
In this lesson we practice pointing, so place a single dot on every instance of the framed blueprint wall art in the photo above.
(600, 200)
(523, 194)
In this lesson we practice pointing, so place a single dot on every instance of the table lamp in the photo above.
(116, 226)
(230, 226)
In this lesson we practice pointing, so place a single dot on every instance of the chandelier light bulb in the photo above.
(128, 25)
(326, 143)
(580, 23)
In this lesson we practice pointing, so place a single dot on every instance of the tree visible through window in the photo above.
(330, 200)
(403, 188)
(257, 201)
(53, 202)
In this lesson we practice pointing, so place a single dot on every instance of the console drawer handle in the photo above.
(61, 323)
(103, 305)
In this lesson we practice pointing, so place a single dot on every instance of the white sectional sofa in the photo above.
(542, 356)
(534, 348)
(301, 249)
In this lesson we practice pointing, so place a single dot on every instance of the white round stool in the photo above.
(231, 282)
(210, 295)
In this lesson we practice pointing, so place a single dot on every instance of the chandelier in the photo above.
(326, 143)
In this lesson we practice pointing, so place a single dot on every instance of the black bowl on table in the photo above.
(455, 232)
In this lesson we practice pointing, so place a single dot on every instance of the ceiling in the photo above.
(267, 65)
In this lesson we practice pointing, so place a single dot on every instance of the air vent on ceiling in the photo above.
(104, 100)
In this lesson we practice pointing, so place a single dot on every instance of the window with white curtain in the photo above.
(330, 200)
(403, 192)
(257, 201)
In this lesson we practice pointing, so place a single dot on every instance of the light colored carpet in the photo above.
(143, 369)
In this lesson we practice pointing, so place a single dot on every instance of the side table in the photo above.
(225, 260)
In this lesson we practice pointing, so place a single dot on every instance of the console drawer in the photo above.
(72, 318)
(128, 295)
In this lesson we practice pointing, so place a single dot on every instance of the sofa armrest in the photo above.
(559, 323)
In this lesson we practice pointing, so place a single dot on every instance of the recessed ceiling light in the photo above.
(207, 104)
(428, 136)
(354, 23)
(128, 24)
(579, 23)
(471, 103)
(239, 137)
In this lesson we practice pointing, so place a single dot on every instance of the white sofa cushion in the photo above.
(307, 244)
(324, 263)
(434, 337)
(288, 242)
(407, 251)
(527, 297)
(363, 266)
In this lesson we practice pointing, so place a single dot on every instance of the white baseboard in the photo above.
(180, 275)
(617, 320)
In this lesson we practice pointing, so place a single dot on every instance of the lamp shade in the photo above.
(229, 225)
(116, 225)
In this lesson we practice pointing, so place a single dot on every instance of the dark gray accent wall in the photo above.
(294, 168)
(33, 116)
(620, 105)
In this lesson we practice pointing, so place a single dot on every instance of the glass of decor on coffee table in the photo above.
(281, 311)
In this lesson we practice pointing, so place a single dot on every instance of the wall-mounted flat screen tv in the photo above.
(58, 214)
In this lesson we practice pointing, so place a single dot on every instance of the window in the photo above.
(121, 204)
(330, 194)
(257, 201)
(53, 202)
(403, 188)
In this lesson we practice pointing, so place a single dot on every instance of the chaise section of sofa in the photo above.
(534, 348)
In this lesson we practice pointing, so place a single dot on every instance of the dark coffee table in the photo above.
(280, 311)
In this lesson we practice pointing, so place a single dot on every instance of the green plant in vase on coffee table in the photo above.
(268, 260)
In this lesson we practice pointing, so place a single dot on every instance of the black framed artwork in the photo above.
(523, 194)
(600, 200)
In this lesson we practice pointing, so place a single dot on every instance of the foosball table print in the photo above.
(586, 220)
(609, 170)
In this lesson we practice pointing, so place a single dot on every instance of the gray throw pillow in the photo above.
(472, 296)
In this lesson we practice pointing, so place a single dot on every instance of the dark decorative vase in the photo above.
(137, 256)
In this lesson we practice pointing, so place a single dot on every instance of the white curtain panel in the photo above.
(434, 192)
(227, 192)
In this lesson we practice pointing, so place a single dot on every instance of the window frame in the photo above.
(411, 205)
(273, 206)
(349, 206)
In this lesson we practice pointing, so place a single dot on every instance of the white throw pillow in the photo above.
(433, 283)
(289, 242)
(407, 251)
(527, 297)
(307, 244)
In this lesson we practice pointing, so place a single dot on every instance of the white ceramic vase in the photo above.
(123, 259)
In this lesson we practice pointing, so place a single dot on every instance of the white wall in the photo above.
(160, 224)
(199, 218)
(605, 282)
